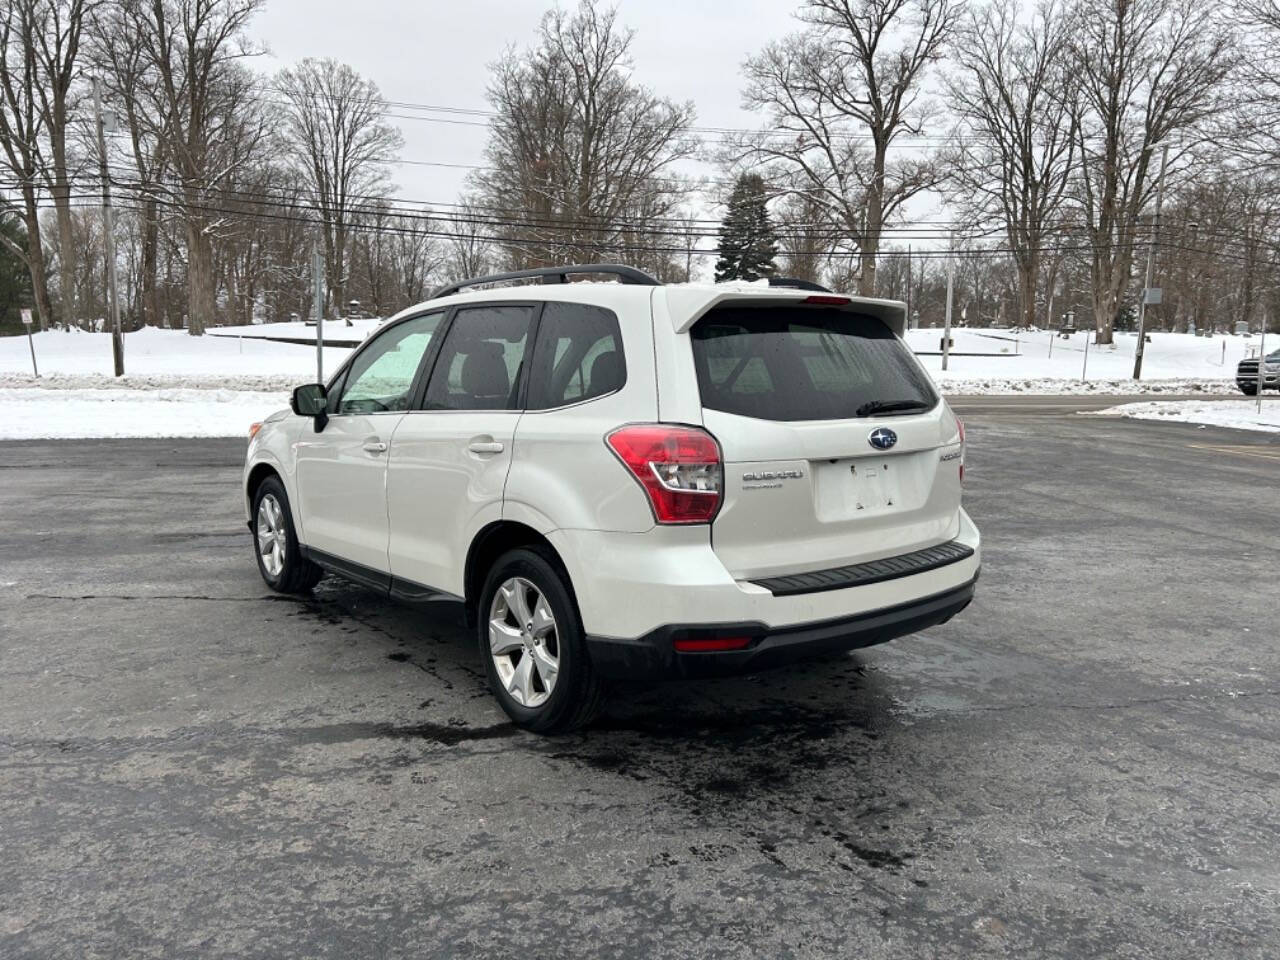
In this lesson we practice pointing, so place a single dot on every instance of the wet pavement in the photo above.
(1085, 763)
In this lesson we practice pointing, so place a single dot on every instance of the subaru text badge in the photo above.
(882, 438)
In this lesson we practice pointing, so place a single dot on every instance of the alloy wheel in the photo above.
(272, 537)
(523, 642)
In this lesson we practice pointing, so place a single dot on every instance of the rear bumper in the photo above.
(629, 585)
(654, 655)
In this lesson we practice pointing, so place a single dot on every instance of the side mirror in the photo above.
(310, 400)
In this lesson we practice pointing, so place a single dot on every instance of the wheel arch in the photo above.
(491, 542)
(260, 472)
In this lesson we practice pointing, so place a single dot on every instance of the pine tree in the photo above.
(748, 241)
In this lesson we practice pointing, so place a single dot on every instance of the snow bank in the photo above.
(1239, 414)
(36, 414)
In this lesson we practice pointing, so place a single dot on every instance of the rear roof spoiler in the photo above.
(688, 305)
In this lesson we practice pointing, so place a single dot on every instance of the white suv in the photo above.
(627, 479)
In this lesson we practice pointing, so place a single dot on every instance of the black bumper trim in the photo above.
(873, 571)
(653, 655)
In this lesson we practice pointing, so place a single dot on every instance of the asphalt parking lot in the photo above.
(1085, 763)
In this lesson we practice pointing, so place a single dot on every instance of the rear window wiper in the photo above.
(890, 406)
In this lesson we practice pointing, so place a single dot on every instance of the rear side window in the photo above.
(797, 363)
(578, 356)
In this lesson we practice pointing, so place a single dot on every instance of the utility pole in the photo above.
(951, 275)
(317, 305)
(1262, 354)
(117, 338)
(1151, 260)
(908, 323)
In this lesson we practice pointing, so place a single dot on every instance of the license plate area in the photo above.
(867, 486)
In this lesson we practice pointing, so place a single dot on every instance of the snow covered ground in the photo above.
(178, 385)
(32, 414)
(1046, 363)
(169, 354)
(1241, 414)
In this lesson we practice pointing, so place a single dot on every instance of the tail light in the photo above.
(680, 468)
(253, 430)
(960, 426)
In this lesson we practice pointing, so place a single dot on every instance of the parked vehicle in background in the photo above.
(624, 480)
(1247, 374)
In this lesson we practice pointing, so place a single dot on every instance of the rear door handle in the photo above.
(374, 445)
(485, 446)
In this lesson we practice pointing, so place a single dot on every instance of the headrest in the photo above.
(484, 372)
(607, 374)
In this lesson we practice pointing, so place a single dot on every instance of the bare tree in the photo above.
(205, 115)
(1254, 133)
(1149, 72)
(840, 94)
(578, 150)
(1016, 140)
(57, 35)
(21, 132)
(337, 129)
(468, 251)
(130, 81)
(804, 236)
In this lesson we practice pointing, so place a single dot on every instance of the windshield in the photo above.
(802, 363)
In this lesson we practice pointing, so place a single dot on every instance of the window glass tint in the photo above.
(480, 360)
(579, 356)
(381, 377)
(797, 363)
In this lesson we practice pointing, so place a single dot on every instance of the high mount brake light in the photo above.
(680, 468)
(829, 301)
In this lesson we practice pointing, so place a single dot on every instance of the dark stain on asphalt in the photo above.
(398, 657)
(445, 734)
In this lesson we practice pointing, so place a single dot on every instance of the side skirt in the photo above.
(396, 587)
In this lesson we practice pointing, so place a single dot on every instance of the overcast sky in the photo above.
(438, 53)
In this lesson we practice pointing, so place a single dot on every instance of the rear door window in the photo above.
(578, 356)
(481, 360)
(798, 363)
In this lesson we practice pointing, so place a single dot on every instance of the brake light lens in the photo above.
(960, 425)
(253, 430)
(828, 301)
(679, 468)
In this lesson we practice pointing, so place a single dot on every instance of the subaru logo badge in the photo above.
(882, 438)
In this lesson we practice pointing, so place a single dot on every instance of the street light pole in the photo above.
(1151, 258)
(117, 338)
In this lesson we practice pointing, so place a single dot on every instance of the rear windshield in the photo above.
(799, 363)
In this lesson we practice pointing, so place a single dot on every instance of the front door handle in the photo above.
(485, 446)
(374, 445)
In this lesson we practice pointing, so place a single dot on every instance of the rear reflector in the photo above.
(829, 301)
(679, 468)
(710, 644)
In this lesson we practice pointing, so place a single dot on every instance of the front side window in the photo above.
(578, 356)
(381, 376)
(481, 359)
(802, 363)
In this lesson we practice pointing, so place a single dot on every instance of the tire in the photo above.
(1249, 391)
(273, 531)
(575, 693)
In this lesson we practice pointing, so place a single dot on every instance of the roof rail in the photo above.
(799, 284)
(553, 275)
